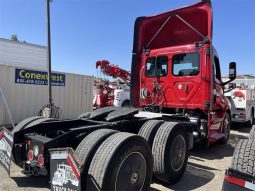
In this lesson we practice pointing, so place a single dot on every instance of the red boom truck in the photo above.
(178, 100)
(104, 94)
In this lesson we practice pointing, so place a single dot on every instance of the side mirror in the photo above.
(232, 71)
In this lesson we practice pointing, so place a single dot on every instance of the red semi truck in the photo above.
(178, 100)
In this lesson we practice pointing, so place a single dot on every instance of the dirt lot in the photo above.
(205, 170)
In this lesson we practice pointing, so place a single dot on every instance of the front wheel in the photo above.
(226, 129)
(251, 121)
(126, 104)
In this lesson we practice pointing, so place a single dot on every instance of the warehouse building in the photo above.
(23, 80)
(16, 53)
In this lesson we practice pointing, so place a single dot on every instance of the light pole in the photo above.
(49, 51)
(49, 110)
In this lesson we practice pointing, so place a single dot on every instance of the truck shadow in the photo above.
(194, 177)
(35, 182)
(216, 151)
(240, 127)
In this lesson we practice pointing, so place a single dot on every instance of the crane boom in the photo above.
(113, 71)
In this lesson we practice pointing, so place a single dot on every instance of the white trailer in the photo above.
(242, 100)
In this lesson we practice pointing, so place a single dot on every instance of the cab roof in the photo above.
(181, 26)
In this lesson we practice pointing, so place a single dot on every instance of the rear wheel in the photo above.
(244, 159)
(251, 121)
(122, 162)
(84, 115)
(21, 125)
(87, 148)
(149, 130)
(39, 121)
(17, 149)
(170, 152)
(126, 104)
(252, 133)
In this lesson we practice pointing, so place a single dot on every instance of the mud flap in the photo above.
(65, 170)
(6, 143)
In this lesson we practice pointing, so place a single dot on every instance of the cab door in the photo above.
(184, 81)
(220, 103)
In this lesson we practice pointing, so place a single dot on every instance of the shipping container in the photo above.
(26, 92)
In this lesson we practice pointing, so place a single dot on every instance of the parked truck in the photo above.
(107, 95)
(242, 100)
(178, 101)
(241, 174)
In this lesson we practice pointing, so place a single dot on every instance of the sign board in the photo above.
(64, 170)
(24, 76)
(6, 143)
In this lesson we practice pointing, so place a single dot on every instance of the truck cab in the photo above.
(178, 68)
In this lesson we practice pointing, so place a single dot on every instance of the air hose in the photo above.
(157, 91)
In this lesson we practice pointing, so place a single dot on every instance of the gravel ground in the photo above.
(205, 171)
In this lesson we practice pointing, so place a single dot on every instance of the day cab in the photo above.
(176, 70)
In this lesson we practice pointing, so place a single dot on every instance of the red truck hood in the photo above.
(169, 29)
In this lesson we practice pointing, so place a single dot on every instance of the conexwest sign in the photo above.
(23, 76)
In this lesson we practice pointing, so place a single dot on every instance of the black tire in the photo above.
(109, 169)
(250, 123)
(87, 148)
(39, 121)
(244, 157)
(21, 125)
(126, 103)
(170, 152)
(149, 130)
(226, 129)
(252, 133)
(84, 115)
(16, 156)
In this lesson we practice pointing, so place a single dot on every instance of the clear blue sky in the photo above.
(84, 31)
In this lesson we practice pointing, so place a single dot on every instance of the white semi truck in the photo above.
(242, 100)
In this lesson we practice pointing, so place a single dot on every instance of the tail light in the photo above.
(30, 155)
(41, 160)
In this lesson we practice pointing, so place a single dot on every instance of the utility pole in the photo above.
(49, 110)
(49, 51)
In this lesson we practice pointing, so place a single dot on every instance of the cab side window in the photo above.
(157, 66)
(186, 64)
